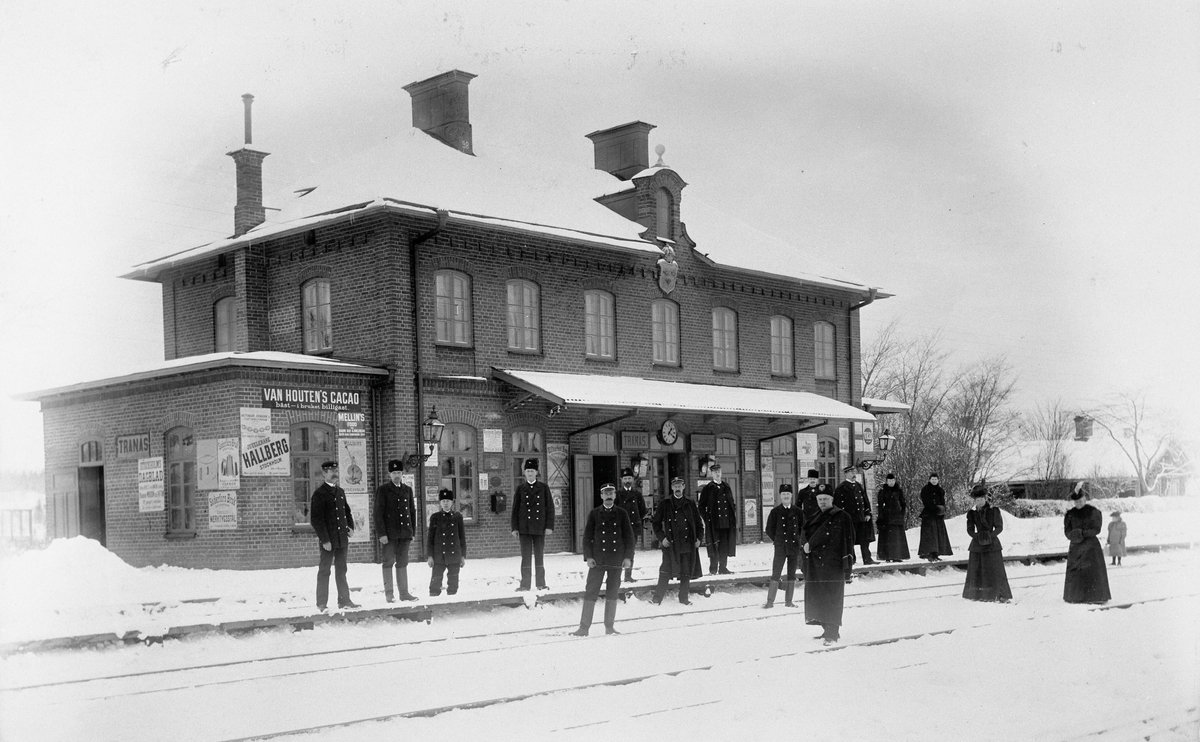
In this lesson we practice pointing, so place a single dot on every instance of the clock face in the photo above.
(669, 433)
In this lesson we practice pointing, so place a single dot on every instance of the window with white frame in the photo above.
(181, 480)
(599, 326)
(781, 346)
(457, 461)
(523, 316)
(452, 290)
(223, 327)
(312, 444)
(823, 351)
(318, 325)
(664, 322)
(724, 337)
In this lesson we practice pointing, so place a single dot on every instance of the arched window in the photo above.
(527, 444)
(91, 453)
(523, 316)
(664, 321)
(453, 307)
(663, 204)
(181, 480)
(599, 325)
(781, 346)
(312, 444)
(318, 318)
(223, 327)
(602, 442)
(823, 351)
(724, 337)
(457, 462)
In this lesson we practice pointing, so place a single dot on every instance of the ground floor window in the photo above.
(311, 444)
(457, 461)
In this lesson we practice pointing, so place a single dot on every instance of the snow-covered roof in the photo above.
(516, 188)
(191, 364)
(631, 392)
(1099, 456)
(884, 406)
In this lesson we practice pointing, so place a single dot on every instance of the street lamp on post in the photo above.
(431, 436)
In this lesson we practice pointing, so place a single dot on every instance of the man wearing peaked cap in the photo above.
(332, 521)
(679, 529)
(532, 521)
(720, 521)
(446, 541)
(783, 528)
(395, 524)
(607, 547)
(631, 501)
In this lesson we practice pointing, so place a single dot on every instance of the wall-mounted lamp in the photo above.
(706, 463)
(640, 465)
(884, 443)
(431, 437)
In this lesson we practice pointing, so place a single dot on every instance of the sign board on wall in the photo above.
(352, 466)
(750, 459)
(493, 440)
(311, 398)
(133, 447)
(150, 485)
(864, 437)
(631, 439)
(222, 511)
(703, 443)
(263, 453)
(751, 518)
(229, 464)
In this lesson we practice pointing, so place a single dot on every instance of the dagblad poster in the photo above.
(150, 485)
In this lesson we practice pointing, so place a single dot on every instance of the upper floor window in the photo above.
(181, 480)
(453, 307)
(823, 355)
(223, 324)
(664, 321)
(599, 331)
(311, 445)
(781, 346)
(724, 337)
(663, 212)
(523, 314)
(318, 324)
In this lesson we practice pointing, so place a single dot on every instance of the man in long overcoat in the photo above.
(332, 520)
(935, 541)
(719, 511)
(783, 528)
(631, 501)
(830, 555)
(679, 529)
(852, 497)
(607, 548)
(532, 521)
(806, 501)
(395, 522)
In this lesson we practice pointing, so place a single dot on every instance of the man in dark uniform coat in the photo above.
(679, 529)
(532, 522)
(631, 501)
(783, 528)
(607, 547)
(331, 518)
(446, 544)
(852, 497)
(720, 521)
(395, 519)
(935, 541)
(830, 555)
(806, 502)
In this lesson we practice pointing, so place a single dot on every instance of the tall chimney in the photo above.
(1083, 427)
(248, 212)
(623, 150)
(439, 108)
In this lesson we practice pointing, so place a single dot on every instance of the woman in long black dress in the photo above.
(893, 543)
(935, 542)
(1087, 577)
(986, 578)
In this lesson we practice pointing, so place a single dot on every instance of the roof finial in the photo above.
(658, 150)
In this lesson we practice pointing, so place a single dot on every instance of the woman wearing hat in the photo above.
(892, 507)
(1087, 577)
(986, 578)
(935, 542)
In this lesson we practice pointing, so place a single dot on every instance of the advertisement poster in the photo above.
(229, 467)
(806, 446)
(558, 473)
(768, 499)
(751, 518)
(864, 437)
(557, 494)
(768, 478)
(844, 441)
(410, 479)
(750, 459)
(222, 511)
(311, 398)
(150, 485)
(483, 481)
(493, 440)
(431, 493)
(263, 453)
(352, 458)
(206, 464)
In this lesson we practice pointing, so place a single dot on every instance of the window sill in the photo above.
(180, 536)
(830, 379)
(519, 352)
(598, 359)
(303, 528)
(729, 371)
(454, 346)
(783, 376)
(661, 364)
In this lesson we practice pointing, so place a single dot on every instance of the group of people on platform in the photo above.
(813, 530)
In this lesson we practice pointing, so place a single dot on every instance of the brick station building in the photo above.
(559, 311)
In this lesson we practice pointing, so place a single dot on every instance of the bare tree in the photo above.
(1050, 426)
(876, 359)
(1147, 438)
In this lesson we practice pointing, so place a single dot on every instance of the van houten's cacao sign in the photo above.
(301, 398)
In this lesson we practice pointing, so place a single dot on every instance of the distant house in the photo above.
(22, 517)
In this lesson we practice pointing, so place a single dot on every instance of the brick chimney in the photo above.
(1083, 427)
(248, 212)
(439, 108)
(623, 150)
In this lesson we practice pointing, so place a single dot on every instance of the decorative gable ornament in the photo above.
(668, 270)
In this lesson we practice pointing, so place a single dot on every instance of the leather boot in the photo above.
(789, 592)
(660, 589)
(585, 620)
(387, 585)
(629, 575)
(684, 589)
(610, 616)
(402, 584)
(772, 590)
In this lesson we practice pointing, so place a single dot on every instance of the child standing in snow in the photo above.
(1116, 537)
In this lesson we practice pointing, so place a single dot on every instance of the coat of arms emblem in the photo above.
(668, 270)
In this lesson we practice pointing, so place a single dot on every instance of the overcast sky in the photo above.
(1023, 177)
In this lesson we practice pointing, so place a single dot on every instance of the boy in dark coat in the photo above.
(720, 521)
(395, 521)
(1087, 577)
(446, 544)
(986, 577)
(332, 520)
(631, 501)
(679, 529)
(532, 521)
(935, 541)
(892, 507)
(783, 528)
(830, 554)
(852, 497)
(607, 548)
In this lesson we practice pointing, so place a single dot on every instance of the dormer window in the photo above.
(663, 205)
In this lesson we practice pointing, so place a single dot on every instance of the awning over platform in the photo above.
(631, 392)
(885, 406)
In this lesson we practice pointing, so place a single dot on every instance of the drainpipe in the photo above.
(871, 294)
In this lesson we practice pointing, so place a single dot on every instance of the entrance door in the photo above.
(605, 471)
(585, 488)
(91, 503)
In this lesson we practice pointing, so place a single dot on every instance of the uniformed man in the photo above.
(806, 501)
(830, 555)
(852, 497)
(332, 520)
(607, 547)
(679, 529)
(720, 521)
(783, 528)
(395, 521)
(532, 522)
(631, 501)
(446, 544)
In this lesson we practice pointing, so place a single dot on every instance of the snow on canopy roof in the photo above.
(1099, 456)
(884, 406)
(624, 392)
(189, 364)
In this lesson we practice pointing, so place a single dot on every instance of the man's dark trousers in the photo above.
(337, 559)
(532, 546)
